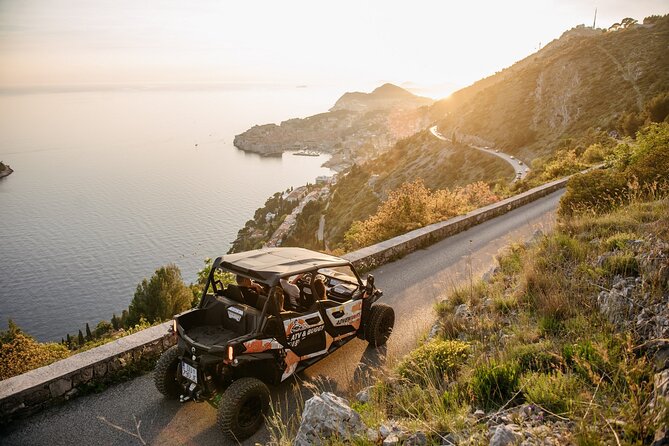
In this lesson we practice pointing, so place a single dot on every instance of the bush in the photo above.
(535, 358)
(588, 361)
(555, 392)
(625, 265)
(596, 153)
(160, 298)
(103, 328)
(640, 171)
(19, 352)
(597, 191)
(434, 360)
(494, 383)
(618, 242)
(412, 206)
(565, 163)
(650, 158)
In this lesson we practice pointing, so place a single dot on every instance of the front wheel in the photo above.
(242, 408)
(379, 324)
(165, 373)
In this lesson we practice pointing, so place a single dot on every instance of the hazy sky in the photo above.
(71, 42)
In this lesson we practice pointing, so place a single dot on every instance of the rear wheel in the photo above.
(165, 373)
(379, 325)
(242, 408)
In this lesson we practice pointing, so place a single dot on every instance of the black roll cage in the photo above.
(275, 281)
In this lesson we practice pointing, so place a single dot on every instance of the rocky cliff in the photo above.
(358, 127)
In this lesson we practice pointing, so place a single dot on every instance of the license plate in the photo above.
(189, 372)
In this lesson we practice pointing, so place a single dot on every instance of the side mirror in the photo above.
(370, 283)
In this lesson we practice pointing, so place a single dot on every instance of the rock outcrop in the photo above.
(5, 170)
(327, 415)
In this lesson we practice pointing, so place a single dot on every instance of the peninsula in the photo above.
(357, 128)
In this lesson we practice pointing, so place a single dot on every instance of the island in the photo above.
(5, 170)
(357, 128)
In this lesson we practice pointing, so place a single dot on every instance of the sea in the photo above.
(110, 184)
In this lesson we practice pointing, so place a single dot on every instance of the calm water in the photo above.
(108, 186)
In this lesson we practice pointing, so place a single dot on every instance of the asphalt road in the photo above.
(518, 166)
(411, 286)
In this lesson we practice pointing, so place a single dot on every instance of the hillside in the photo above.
(436, 162)
(556, 110)
(587, 78)
(358, 127)
(564, 342)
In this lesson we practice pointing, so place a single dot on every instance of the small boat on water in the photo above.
(306, 153)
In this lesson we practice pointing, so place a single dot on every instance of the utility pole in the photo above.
(595, 19)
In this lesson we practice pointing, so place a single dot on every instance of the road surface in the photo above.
(411, 286)
(518, 166)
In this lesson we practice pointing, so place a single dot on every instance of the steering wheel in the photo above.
(304, 280)
(219, 285)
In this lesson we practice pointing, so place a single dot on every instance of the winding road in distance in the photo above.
(518, 166)
(411, 285)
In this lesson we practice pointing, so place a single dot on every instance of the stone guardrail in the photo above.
(62, 380)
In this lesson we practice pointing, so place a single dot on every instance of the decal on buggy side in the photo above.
(298, 329)
(261, 345)
(352, 311)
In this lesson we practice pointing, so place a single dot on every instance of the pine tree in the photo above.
(69, 341)
(116, 323)
(81, 339)
(89, 335)
(62, 341)
(124, 319)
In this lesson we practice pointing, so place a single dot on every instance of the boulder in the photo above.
(364, 395)
(328, 415)
(504, 436)
(417, 439)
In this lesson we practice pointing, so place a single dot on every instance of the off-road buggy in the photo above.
(236, 342)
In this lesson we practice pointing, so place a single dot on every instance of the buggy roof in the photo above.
(270, 264)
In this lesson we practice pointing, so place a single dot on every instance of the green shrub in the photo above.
(594, 154)
(535, 357)
(505, 303)
(103, 328)
(161, 297)
(556, 392)
(562, 249)
(597, 191)
(621, 264)
(494, 383)
(587, 360)
(510, 262)
(618, 242)
(434, 360)
(551, 324)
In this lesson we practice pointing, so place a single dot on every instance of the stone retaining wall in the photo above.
(34, 390)
(62, 380)
(373, 256)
